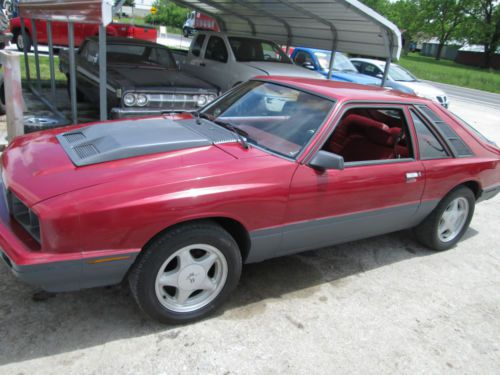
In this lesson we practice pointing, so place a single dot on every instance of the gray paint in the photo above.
(124, 139)
(72, 275)
(314, 234)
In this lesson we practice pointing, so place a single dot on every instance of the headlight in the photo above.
(129, 100)
(141, 100)
(201, 100)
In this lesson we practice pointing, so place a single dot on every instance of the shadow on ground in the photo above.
(78, 320)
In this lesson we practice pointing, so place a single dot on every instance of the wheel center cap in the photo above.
(191, 277)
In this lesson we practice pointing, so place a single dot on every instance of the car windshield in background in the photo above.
(279, 119)
(249, 49)
(399, 74)
(139, 54)
(340, 63)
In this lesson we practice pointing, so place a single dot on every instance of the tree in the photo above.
(444, 18)
(485, 27)
(169, 14)
(127, 3)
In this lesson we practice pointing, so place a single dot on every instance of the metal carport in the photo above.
(338, 25)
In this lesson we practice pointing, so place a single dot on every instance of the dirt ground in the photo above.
(381, 305)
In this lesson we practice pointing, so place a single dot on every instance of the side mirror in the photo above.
(325, 160)
(308, 65)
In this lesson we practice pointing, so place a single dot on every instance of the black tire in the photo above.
(18, 38)
(427, 231)
(185, 32)
(2, 96)
(143, 275)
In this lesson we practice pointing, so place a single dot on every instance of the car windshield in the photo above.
(276, 118)
(249, 49)
(340, 63)
(402, 75)
(140, 55)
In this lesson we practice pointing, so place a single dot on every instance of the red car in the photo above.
(82, 32)
(176, 204)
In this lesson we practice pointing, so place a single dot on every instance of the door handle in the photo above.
(412, 175)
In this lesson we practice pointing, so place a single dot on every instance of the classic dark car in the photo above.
(142, 78)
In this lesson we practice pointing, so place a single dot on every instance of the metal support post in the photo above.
(14, 102)
(51, 60)
(103, 102)
(37, 57)
(25, 49)
(72, 72)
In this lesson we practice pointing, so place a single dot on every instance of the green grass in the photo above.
(446, 71)
(44, 68)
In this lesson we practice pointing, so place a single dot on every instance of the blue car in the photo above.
(343, 68)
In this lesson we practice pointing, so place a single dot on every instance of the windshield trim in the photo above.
(306, 145)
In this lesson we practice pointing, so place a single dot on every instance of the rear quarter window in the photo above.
(456, 143)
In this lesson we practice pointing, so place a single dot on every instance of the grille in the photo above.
(86, 151)
(172, 101)
(74, 137)
(23, 215)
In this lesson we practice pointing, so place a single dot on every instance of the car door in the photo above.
(367, 198)
(194, 64)
(215, 62)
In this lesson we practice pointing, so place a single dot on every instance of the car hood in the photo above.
(423, 89)
(141, 77)
(281, 69)
(38, 166)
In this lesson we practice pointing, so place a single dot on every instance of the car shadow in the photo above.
(78, 320)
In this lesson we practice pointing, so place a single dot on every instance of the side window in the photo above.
(301, 58)
(216, 49)
(370, 69)
(357, 65)
(90, 52)
(197, 45)
(428, 145)
(454, 141)
(371, 134)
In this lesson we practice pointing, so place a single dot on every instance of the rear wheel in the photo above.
(186, 273)
(20, 42)
(446, 225)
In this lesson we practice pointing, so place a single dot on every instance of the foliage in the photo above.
(169, 14)
(484, 26)
(127, 3)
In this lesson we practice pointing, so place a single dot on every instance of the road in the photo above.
(470, 95)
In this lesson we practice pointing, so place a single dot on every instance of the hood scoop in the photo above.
(125, 139)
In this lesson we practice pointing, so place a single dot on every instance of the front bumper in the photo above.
(120, 113)
(56, 272)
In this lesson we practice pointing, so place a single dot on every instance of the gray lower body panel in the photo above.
(73, 275)
(314, 234)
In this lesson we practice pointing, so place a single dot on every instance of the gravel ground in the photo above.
(374, 306)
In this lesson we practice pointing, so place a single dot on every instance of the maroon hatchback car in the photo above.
(176, 204)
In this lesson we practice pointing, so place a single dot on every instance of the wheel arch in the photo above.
(475, 186)
(235, 228)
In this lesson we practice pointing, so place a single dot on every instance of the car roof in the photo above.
(343, 91)
(371, 61)
(126, 41)
(313, 50)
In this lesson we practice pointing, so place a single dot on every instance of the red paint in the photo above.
(82, 31)
(115, 207)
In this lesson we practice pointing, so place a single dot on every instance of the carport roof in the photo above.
(347, 25)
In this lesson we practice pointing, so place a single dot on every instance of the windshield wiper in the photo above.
(240, 134)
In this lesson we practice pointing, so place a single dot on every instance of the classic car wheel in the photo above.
(20, 42)
(444, 227)
(186, 273)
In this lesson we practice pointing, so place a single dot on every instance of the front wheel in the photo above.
(185, 32)
(186, 273)
(446, 225)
